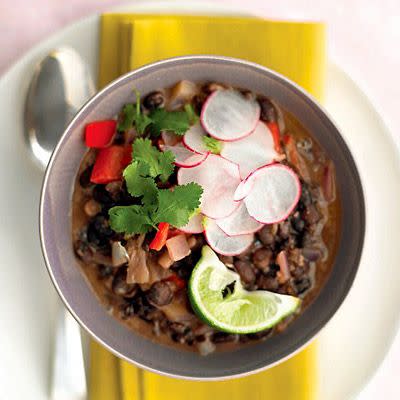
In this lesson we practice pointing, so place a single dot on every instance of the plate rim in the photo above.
(358, 84)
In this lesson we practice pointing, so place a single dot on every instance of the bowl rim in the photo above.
(311, 102)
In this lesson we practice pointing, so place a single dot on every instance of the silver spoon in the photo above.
(61, 84)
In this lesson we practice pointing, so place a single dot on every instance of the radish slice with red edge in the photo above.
(244, 188)
(239, 222)
(275, 193)
(193, 139)
(223, 244)
(252, 152)
(195, 225)
(219, 179)
(227, 115)
(185, 158)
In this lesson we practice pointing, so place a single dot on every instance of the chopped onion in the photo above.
(283, 273)
(178, 247)
(119, 255)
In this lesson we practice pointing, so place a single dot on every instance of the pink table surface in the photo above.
(364, 38)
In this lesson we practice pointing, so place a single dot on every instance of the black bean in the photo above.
(104, 271)
(311, 254)
(128, 310)
(297, 222)
(246, 272)
(156, 315)
(226, 259)
(154, 100)
(305, 197)
(299, 271)
(266, 282)
(177, 337)
(120, 287)
(83, 251)
(222, 337)
(262, 258)
(99, 232)
(84, 179)
(265, 236)
(160, 294)
(102, 196)
(182, 268)
(268, 111)
(302, 285)
(142, 307)
(125, 199)
(284, 229)
(200, 338)
(119, 138)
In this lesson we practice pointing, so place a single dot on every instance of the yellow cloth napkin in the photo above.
(297, 50)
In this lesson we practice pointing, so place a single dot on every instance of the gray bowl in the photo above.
(55, 221)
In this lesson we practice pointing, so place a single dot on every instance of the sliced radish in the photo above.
(275, 193)
(252, 152)
(228, 115)
(224, 244)
(184, 157)
(219, 179)
(193, 139)
(244, 188)
(195, 224)
(239, 222)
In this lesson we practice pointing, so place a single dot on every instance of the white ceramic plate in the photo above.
(353, 344)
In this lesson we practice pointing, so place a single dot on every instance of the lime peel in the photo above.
(240, 311)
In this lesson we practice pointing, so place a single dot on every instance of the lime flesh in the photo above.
(219, 299)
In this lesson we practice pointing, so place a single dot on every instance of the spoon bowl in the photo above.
(60, 86)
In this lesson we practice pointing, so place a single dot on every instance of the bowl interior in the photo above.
(55, 221)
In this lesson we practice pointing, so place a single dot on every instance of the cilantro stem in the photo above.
(137, 93)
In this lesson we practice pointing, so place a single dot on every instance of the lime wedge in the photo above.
(219, 299)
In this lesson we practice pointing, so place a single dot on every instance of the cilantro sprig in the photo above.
(132, 116)
(157, 205)
(212, 144)
(157, 120)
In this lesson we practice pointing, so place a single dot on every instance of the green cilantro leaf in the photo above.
(138, 184)
(132, 114)
(148, 163)
(213, 145)
(176, 206)
(160, 163)
(193, 117)
(128, 117)
(177, 122)
(130, 219)
(142, 121)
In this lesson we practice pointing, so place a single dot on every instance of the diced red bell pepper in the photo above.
(127, 159)
(161, 237)
(295, 158)
(99, 134)
(179, 282)
(110, 163)
(276, 135)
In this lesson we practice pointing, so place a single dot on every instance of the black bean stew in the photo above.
(158, 307)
